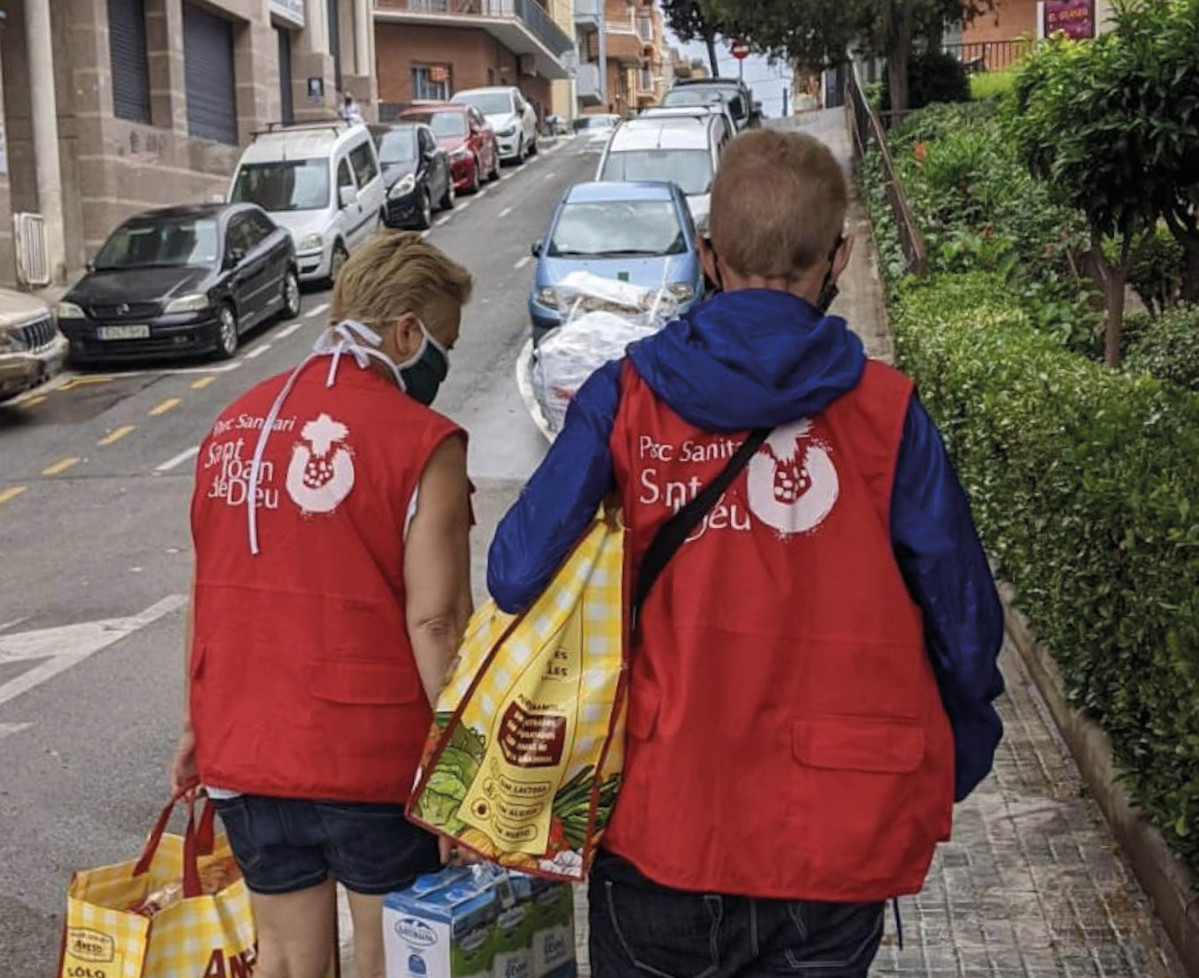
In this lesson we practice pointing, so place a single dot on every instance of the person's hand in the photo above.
(452, 855)
(183, 764)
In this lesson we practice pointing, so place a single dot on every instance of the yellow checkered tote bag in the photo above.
(524, 759)
(181, 911)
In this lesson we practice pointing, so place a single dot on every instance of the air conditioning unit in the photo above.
(526, 64)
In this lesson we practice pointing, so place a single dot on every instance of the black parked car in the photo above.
(416, 172)
(182, 280)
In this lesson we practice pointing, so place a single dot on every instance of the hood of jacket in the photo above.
(754, 358)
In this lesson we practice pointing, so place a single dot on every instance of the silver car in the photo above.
(31, 347)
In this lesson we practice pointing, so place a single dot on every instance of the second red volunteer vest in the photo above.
(303, 681)
(786, 738)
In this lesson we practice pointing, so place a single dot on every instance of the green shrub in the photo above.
(991, 84)
(1156, 274)
(1085, 487)
(932, 77)
(1168, 347)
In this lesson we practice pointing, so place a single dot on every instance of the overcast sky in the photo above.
(767, 82)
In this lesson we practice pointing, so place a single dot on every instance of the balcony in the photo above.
(589, 14)
(622, 45)
(589, 85)
(522, 26)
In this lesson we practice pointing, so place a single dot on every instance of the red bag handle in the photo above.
(198, 840)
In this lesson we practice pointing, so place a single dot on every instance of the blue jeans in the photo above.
(640, 928)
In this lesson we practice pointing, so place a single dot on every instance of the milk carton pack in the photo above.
(513, 927)
(553, 930)
(442, 927)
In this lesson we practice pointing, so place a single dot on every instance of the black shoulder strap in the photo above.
(675, 530)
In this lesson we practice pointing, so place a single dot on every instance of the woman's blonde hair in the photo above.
(394, 273)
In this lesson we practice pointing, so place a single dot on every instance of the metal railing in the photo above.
(868, 128)
(529, 13)
(979, 56)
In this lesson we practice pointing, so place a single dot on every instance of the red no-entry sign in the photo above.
(740, 50)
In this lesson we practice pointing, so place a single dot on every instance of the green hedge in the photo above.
(1085, 486)
(1167, 347)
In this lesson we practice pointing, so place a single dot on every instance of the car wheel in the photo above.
(291, 295)
(520, 153)
(424, 218)
(476, 180)
(533, 147)
(495, 164)
(447, 202)
(337, 262)
(227, 338)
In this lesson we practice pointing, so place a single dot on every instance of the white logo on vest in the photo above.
(792, 482)
(321, 473)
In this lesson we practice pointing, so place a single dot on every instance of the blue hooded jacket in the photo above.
(761, 358)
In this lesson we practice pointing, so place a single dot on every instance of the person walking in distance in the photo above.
(813, 675)
(349, 110)
(332, 585)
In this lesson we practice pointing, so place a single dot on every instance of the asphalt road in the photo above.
(95, 481)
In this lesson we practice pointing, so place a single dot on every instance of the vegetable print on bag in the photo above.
(523, 764)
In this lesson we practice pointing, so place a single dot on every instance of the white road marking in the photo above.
(316, 310)
(12, 728)
(466, 206)
(14, 623)
(287, 331)
(443, 221)
(176, 461)
(69, 645)
(550, 175)
(257, 351)
(505, 212)
(523, 261)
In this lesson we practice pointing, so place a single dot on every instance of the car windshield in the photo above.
(691, 169)
(146, 244)
(397, 146)
(442, 123)
(489, 103)
(702, 96)
(284, 185)
(594, 122)
(608, 229)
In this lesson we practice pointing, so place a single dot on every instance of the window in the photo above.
(397, 146)
(428, 144)
(430, 83)
(160, 244)
(343, 176)
(476, 118)
(262, 224)
(363, 161)
(286, 185)
(129, 62)
(613, 228)
(645, 30)
(691, 169)
(442, 123)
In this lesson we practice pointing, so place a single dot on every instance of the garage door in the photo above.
(208, 74)
(127, 53)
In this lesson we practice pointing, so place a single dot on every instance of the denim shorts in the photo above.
(284, 844)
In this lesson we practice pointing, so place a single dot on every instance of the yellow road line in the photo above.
(10, 493)
(60, 467)
(199, 385)
(169, 404)
(34, 401)
(117, 434)
(84, 382)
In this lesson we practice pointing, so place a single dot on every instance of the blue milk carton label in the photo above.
(553, 931)
(514, 943)
(441, 927)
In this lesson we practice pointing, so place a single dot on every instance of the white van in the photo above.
(682, 150)
(322, 183)
(509, 114)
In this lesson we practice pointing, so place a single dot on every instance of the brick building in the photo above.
(633, 53)
(428, 49)
(149, 105)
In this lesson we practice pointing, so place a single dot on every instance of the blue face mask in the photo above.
(421, 375)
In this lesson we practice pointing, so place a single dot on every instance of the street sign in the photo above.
(740, 50)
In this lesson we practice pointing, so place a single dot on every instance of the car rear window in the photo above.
(442, 123)
(284, 185)
(489, 103)
(620, 228)
(691, 169)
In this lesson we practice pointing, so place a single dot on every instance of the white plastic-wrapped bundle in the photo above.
(605, 317)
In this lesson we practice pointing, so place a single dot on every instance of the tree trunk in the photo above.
(898, 57)
(710, 41)
(1117, 277)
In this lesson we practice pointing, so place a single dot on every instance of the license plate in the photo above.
(123, 332)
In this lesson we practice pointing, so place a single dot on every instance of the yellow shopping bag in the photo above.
(524, 760)
(195, 919)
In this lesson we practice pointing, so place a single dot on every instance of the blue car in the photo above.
(640, 233)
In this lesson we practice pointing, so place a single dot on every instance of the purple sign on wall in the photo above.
(1074, 18)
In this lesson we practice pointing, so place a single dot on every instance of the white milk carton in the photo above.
(553, 930)
(442, 927)
(513, 926)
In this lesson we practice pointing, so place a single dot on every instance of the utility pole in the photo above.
(45, 134)
(786, 92)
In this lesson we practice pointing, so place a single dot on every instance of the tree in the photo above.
(690, 21)
(1112, 125)
(824, 33)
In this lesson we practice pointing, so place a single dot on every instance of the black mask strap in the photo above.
(829, 291)
(716, 265)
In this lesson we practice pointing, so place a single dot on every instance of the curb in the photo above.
(1167, 882)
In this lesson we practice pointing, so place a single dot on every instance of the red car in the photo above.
(467, 139)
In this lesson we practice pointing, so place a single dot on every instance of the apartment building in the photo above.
(631, 46)
(114, 106)
(428, 49)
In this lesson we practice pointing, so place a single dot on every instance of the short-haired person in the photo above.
(813, 682)
(332, 584)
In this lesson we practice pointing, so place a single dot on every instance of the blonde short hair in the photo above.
(778, 204)
(394, 273)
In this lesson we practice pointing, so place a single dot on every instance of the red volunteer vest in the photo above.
(786, 738)
(303, 682)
